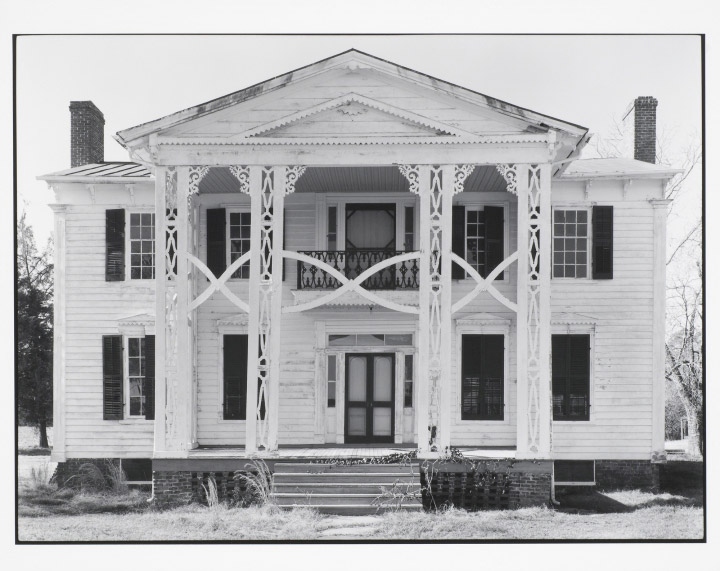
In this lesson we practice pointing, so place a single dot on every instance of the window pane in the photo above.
(341, 340)
(558, 272)
(559, 216)
(402, 339)
(582, 216)
(559, 230)
(581, 271)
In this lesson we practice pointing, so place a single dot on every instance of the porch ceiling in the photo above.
(484, 178)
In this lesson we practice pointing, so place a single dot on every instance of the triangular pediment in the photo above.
(351, 98)
(353, 115)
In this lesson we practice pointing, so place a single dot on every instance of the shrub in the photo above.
(254, 485)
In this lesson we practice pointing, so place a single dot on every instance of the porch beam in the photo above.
(354, 155)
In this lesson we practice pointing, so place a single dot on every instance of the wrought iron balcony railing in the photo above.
(352, 263)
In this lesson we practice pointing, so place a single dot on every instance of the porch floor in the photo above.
(329, 451)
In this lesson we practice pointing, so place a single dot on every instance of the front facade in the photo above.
(356, 254)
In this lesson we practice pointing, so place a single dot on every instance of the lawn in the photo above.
(63, 516)
(48, 514)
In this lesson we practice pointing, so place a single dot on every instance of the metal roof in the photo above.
(109, 171)
(616, 168)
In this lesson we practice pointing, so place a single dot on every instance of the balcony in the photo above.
(352, 263)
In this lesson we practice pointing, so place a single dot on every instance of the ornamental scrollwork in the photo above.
(412, 174)
(462, 172)
(243, 175)
(291, 177)
(509, 173)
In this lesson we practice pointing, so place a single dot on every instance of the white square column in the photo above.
(174, 412)
(534, 391)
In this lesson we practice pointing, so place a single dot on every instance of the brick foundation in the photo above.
(172, 487)
(624, 474)
(502, 484)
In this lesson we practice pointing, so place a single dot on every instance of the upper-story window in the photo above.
(239, 241)
(142, 246)
(479, 238)
(570, 243)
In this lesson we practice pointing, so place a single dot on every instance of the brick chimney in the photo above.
(645, 129)
(87, 134)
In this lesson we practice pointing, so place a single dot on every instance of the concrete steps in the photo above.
(349, 490)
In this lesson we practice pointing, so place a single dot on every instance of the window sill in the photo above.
(569, 422)
(136, 420)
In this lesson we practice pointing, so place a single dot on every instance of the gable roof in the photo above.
(354, 59)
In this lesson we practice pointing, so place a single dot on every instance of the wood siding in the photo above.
(620, 425)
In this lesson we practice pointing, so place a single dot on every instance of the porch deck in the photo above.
(316, 452)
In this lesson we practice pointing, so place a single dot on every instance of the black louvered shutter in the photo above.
(494, 238)
(571, 377)
(284, 242)
(458, 239)
(492, 374)
(235, 353)
(602, 229)
(112, 351)
(149, 377)
(483, 377)
(578, 393)
(560, 351)
(115, 245)
(216, 240)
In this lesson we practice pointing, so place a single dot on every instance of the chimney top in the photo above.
(645, 128)
(87, 134)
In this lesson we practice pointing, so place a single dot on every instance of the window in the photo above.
(239, 223)
(408, 388)
(142, 246)
(332, 235)
(136, 376)
(483, 377)
(479, 238)
(371, 339)
(409, 228)
(570, 243)
(571, 377)
(332, 380)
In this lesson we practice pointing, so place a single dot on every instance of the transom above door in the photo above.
(369, 397)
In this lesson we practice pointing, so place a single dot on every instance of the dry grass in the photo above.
(187, 523)
(541, 523)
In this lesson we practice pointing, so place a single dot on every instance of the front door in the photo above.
(369, 397)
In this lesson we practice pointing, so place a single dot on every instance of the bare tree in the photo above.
(684, 358)
(34, 331)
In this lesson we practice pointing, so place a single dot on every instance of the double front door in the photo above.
(369, 397)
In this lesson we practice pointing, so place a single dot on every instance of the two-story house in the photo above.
(355, 258)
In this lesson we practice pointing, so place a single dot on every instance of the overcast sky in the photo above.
(588, 80)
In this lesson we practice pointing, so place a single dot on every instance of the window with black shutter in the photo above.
(112, 355)
(216, 241)
(478, 236)
(602, 247)
(458, 239)
(150, 377)
(235, 354)
(483, 377)
(494, 239)
(115, 245)
(571, 377)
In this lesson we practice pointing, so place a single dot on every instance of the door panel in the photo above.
(370, 393)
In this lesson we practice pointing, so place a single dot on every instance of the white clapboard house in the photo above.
(352, 259)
